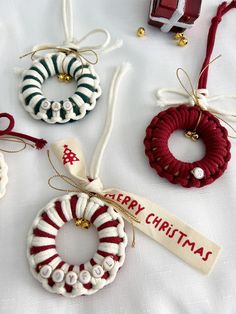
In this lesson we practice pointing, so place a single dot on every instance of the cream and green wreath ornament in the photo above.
(69, 61)
(66, 66)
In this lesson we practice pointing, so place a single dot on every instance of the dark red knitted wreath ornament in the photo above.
(198, 122)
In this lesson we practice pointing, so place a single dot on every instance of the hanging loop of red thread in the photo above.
(39, 143)
(221, 11)
(11, 124)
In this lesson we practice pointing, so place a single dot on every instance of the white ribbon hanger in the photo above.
(71, 43)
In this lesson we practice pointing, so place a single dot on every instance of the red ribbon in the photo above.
(39, 143)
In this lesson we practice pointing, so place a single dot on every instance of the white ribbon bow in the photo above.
(70, 41)
(203, 97)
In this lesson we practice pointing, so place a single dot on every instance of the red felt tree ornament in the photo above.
(197, 122)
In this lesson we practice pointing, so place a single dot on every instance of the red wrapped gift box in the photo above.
(174, 15)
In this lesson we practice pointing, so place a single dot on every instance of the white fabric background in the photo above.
(152, 279)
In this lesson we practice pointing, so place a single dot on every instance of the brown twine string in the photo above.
(14, 139)
(192, 93)
(67, 50)
(229, 125)
(79, 188)
(207, 66)
(198, 121)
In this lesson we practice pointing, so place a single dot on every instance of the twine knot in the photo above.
(202, 98)
(94, 186)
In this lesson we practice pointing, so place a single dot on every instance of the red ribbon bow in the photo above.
(39, 143)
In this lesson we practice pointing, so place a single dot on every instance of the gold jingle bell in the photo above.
(192, 134)
(63, 77)
(68, 78)
(82, 223)
(179, 36)
(141, 32)
(182, 40)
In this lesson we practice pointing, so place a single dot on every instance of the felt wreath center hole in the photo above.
(185, 149)
(53, 89)
(76, 245)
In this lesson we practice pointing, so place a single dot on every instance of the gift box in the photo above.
(174, 15)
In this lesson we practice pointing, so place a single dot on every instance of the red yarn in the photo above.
(11, 124)
(185, 117)
(39, 143)
(214, 136)
(221, 11)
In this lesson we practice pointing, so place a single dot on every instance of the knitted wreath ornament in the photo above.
(198, 173)
(72, 109)
(198, 121)
(56, 275)
(70, 60)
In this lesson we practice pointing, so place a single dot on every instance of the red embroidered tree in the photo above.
(69, 156)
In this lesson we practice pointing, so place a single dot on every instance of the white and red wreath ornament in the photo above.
(55, 274)
(71, 60)
(12, 137)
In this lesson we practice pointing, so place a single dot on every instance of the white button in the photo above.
(67, 105)
(46, 105)
(84, 277)
(198, 173)
(45, 271)
(56, 106)
(108, 263)
(97, 271)
(58, 275)
(71, 278)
